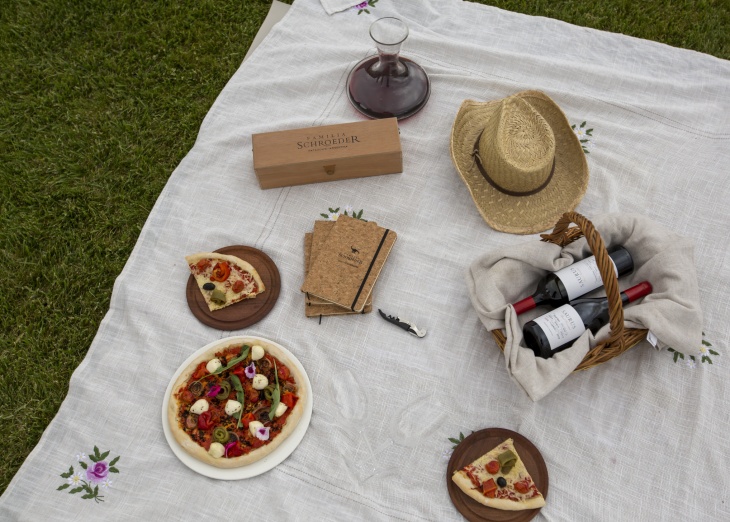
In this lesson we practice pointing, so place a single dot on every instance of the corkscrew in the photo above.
(403, 323)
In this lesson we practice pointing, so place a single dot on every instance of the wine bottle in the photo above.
(556, 330)
(574, 281)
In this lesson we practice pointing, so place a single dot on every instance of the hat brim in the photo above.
(521, 214)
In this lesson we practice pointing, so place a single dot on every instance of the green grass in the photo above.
(101, 100)
(701, 25)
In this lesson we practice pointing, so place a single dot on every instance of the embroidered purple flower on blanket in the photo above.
(362, 7)
(97, 472)
(97, 475)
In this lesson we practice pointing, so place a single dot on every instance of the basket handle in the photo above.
(562, 235)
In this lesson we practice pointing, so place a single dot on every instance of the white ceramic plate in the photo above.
(260, 466)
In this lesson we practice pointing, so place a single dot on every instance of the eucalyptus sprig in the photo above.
(275, 395)
(244, 353)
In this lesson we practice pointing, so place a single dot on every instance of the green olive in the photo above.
(268, 392)
(221, 435)
(225, 390)
(218, 296)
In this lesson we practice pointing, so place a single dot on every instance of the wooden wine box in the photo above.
(327, 153)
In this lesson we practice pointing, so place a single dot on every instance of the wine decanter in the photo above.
(387, 85)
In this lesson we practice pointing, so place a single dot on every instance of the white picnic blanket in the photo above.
(642, 437)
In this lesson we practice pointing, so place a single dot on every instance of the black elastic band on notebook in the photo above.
(382, 240)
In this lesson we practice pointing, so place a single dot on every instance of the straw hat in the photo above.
(521, 161)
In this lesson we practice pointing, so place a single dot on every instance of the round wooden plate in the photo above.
(476, 445)
(243, 313)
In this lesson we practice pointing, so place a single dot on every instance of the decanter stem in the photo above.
(388, 64)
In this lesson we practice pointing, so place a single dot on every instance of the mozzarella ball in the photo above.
(199, 407)
(253, 426)
(233, 407)
(216, 450)
(213, 365)
(257, 352)
(259, 382)
(280, 409)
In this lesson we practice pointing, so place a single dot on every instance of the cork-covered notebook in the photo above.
(349, 262)
(315, 306)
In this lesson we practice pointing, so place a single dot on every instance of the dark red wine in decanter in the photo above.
(388, 85)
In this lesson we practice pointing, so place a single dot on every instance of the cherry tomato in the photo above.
(493, 466)
(221, 271)
(252, 395)
(235, 451)
(283, 372)
(246, 419)
(522, 486)
(204, 420)
(288, 399)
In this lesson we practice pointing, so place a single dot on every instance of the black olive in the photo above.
(501, 482)
(208, 286)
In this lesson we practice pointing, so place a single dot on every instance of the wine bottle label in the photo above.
(582, 277)
(561, 326)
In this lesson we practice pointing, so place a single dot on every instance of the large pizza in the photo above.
(236, 403)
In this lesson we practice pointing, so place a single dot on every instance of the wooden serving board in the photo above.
(476, 445)
(243, 313)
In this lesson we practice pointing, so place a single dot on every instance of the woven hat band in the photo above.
(517, 148)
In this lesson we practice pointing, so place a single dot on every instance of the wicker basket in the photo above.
(620, 338)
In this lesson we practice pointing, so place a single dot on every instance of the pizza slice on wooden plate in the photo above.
(500, 480)
(224, 279)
